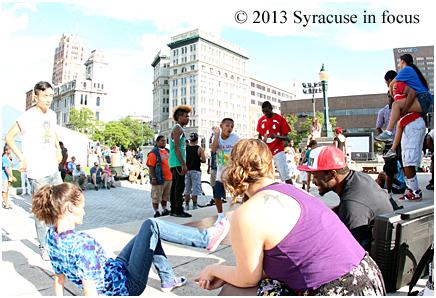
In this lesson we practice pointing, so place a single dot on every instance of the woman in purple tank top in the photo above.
(285, 241)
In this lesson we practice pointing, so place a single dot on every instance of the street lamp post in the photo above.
(327, 127)
(309, 88)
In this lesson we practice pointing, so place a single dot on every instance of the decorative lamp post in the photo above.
(327, 127)
(309, 88)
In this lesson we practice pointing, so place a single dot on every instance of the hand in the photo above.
(153, 181)
(208, 285)
(273, 136)
(207, 280)
(22, 166)
(184, 170)
(208, 171)
(14, 179)
(265, 138)
(216, 130)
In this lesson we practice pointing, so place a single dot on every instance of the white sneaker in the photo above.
(219, 219)
(44, 254)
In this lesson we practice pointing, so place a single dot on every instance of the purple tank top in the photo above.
(318, 250)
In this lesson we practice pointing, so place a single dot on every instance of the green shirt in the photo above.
(173, 160)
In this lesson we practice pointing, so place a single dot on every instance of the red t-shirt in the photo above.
(151, 161)
(399, 91)
(277, 125)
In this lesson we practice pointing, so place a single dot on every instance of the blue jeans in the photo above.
(146, 248)
(35, 184)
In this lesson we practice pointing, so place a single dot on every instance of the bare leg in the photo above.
(396, 111)
(187, 199)
(219, 205)
(5, 198)
(156, 207)
(309, 176)
(398, 136)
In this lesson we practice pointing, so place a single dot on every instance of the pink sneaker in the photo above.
(218, 233)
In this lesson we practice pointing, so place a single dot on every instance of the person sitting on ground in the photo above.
(71, 165)
(280, 251)
(110, 177)
(315, 130)
(361, 199)
(79, 177)
(82, 259)
(160, 176)
(97, 176)
(139, 169)
(129, 170)
(398, 181)
(417, 100)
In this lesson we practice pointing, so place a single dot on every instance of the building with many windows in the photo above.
(209, 74)
(68, 60)
(30, 101)
(86, 93)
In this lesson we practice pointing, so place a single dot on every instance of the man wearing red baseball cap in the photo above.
(361, 198)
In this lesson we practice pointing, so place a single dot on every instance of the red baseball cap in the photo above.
(324, 159)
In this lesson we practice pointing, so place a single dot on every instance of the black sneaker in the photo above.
(108, 187)
(211, 203)
(157, 214)
(184, 214)
(96, 188)
(166, 212)
(430, 186)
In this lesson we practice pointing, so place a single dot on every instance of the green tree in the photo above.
(293, 135)
(127, 133)
(84, 121)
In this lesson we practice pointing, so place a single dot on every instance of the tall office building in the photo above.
(83, 93)
(68, 60)
(423, 58)
(161, 91)
(210, 75)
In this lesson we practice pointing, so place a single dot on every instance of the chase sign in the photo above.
(408, 50)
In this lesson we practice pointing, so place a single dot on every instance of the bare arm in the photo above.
(10, 140)
(177, 132)
(89, 287)
(59, 284)
(283, 138)
(248, 250)
(58, 149)
(214, 147)
(200, 153)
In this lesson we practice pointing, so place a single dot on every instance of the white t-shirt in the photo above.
(38, 142)
(78, 173)
(223, 152)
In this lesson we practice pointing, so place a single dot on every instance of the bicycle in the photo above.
(206, 196)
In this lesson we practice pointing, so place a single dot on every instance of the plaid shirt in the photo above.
(383, 119)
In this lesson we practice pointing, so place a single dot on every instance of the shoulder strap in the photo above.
(425, 260)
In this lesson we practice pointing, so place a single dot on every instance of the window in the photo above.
(97, 116)
(97, 101)
(86, 100)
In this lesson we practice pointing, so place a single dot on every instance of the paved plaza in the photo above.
(113, 217)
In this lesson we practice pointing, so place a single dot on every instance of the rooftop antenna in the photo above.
(72, 21)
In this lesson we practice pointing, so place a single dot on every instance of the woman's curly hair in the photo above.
(249, 162)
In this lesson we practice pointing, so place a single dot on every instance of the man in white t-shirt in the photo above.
(79, 177)
(40, 143)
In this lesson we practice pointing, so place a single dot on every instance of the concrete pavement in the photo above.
(113, 217)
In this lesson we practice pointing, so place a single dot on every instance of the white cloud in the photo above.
(11, 22)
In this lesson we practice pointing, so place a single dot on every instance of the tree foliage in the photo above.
(84, 121)
(127, 133)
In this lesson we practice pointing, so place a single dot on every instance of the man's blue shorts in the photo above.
(218, 190)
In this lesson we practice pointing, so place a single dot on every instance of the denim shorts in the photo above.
(425, 102)
(193, 183)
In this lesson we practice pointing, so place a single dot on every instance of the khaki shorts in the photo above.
(5, 185)
(161, 193)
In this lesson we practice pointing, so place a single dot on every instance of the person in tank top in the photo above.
(278, 248)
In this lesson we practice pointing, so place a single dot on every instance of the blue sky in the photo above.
(132, 32)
